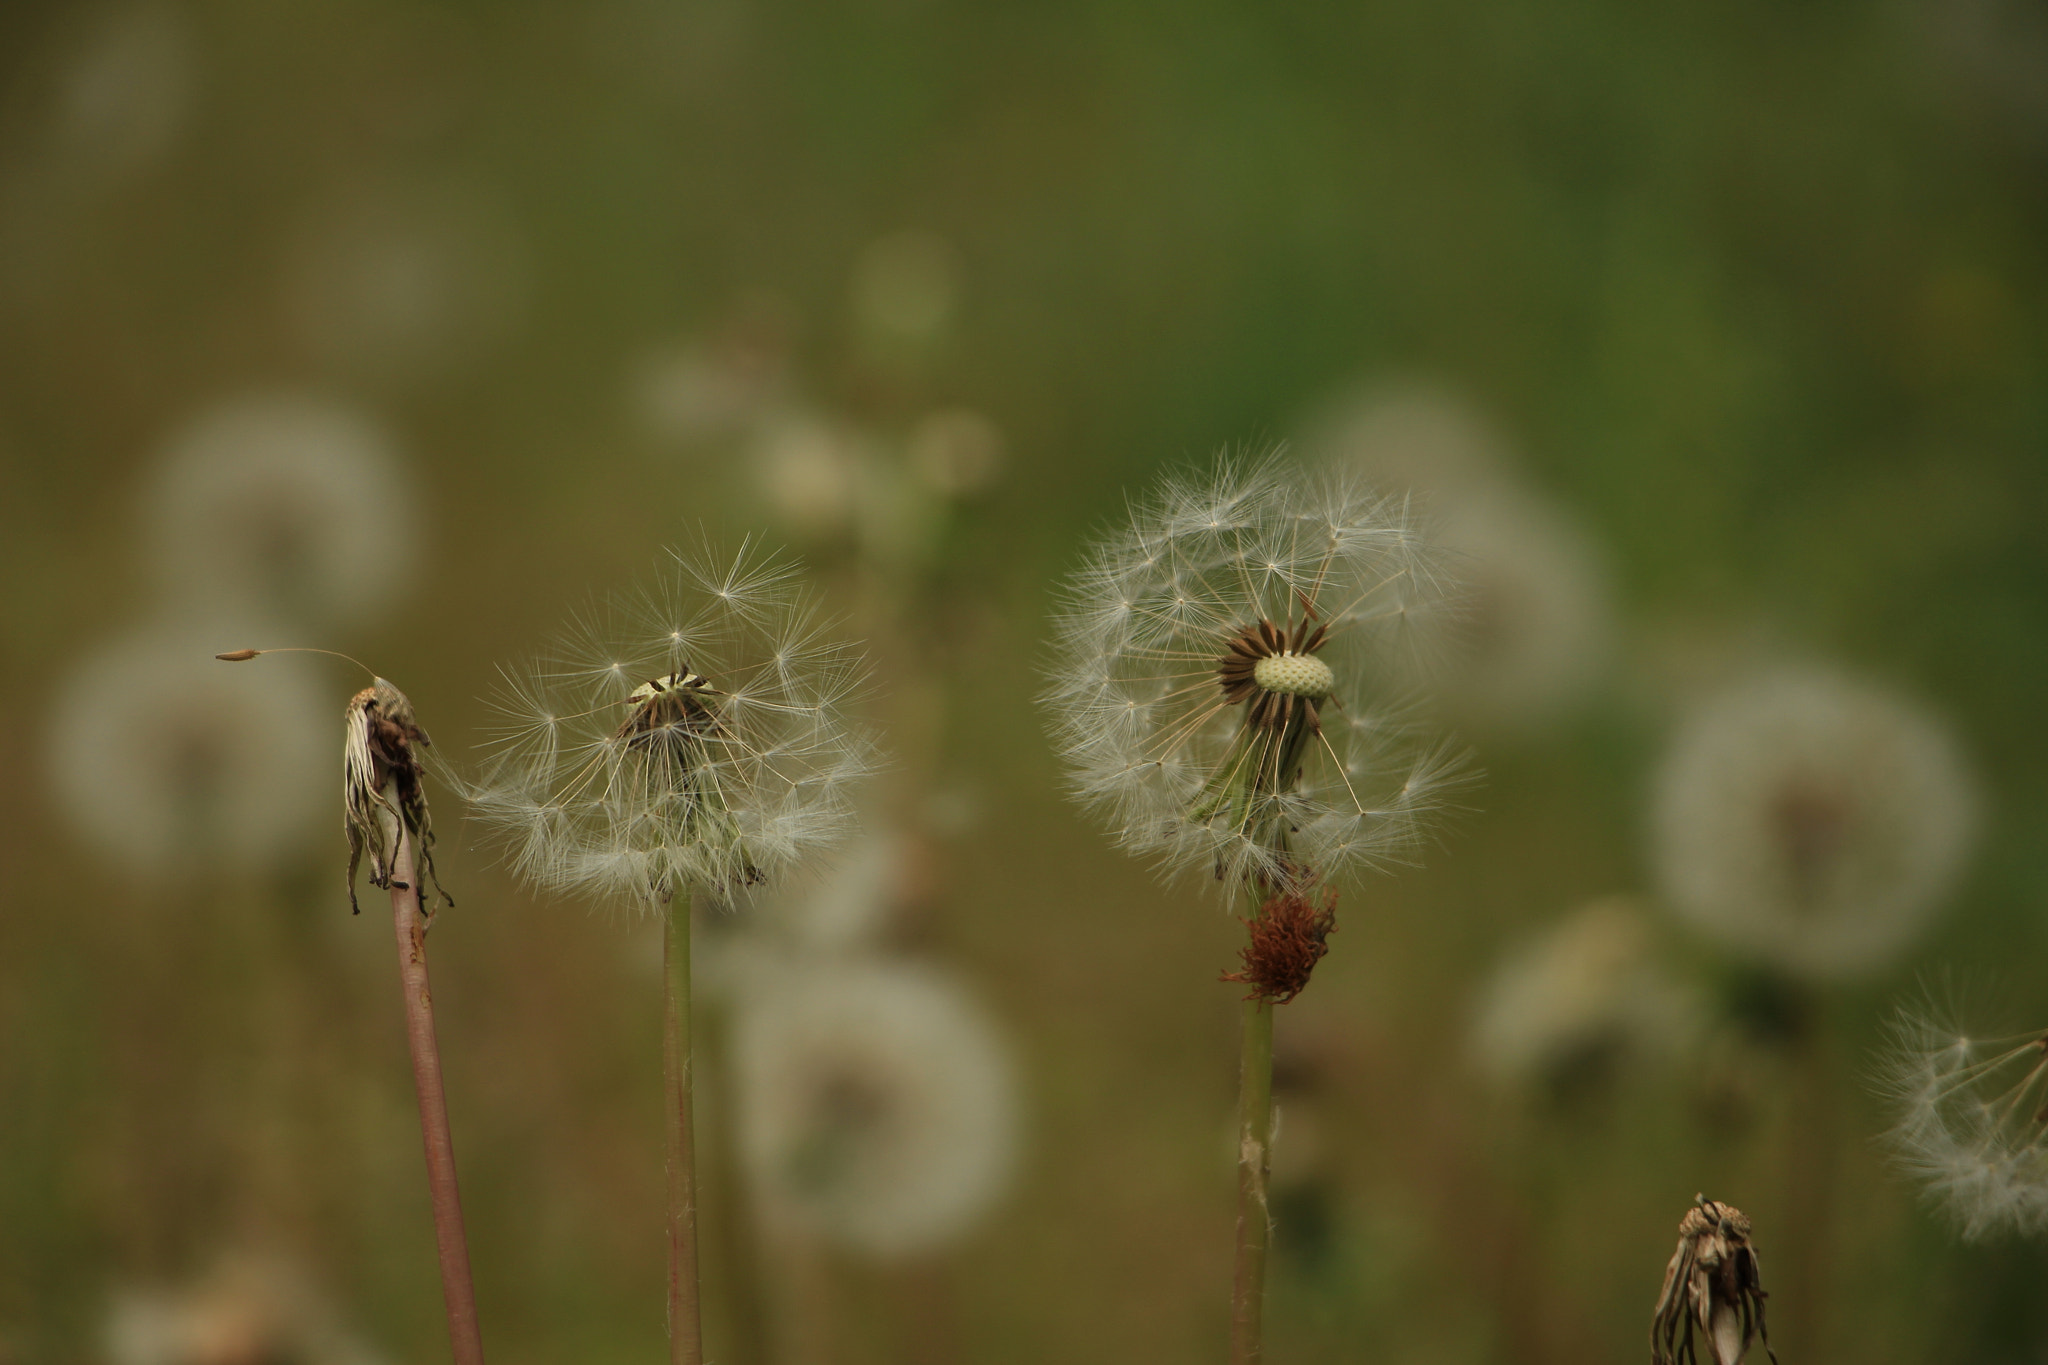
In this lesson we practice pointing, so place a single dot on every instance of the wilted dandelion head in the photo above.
(1211, 688)
(1811, 820)
(876, 1104)
(165, 760)
(283, 505)
(1584, 995)
(696, 737)
(1714, 1283)
(1972, 1120)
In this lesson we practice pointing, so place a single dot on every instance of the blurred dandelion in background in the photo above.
(1533, 630)
(166, 761)
(1971, 1120)
(877, 1108)
(1306, 588)
(905, 291)
(1811, 820)
(699, 739)
(249, 1309)
(394, 284)
(1584, 999)
(126, 95)
(284, 505)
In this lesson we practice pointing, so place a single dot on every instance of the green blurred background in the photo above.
(1754, 291)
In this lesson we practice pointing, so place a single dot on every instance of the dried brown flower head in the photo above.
(383, 788)
(1288, 937)
(1713, 1280)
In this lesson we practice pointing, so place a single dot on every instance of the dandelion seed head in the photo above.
(698, 736)
(1212, 688)
(1811, 820)
(876, 1103)
(1969, 1120)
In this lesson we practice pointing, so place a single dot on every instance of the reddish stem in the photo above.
(457, 1289)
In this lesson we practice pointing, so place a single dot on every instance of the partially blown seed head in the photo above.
(1211, 692)
(695, 737)
(1971, 1120)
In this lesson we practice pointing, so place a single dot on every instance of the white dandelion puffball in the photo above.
(1210, 691)
(284, 505)
(1969, 1121)
(1811, 820)
(698, 739)
(1587, 990)
(167, 760)
(876, 1104)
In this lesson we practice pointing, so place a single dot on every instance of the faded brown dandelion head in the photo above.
(384, 796)
(1713, 1282)
(1288, 938)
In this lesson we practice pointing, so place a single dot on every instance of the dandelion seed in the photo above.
(1972, 1121)
(1210, 692)
(876, 1105)
(1713, 1282)
(167, 762)
(1811, 820)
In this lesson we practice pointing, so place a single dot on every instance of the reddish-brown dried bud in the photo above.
(1289, 936)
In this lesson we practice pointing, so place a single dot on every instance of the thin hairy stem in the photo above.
(409, 921)
(685, 1328)
(1254, 1164)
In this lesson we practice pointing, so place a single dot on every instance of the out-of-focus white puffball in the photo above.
(281, 506)
(876, 1103)
(167, 760)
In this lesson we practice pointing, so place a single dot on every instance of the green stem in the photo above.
(685, 1331)
(1254, 1163)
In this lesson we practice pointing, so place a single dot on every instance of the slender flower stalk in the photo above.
(695, 744)
(1210, 698)
(384, 804)
(410, 920)
(685, 1322)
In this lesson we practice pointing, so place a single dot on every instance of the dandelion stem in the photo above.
(1254, 1162)
(457, 1289)
(685, 1330)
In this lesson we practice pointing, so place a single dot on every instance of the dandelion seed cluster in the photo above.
(1210, 692)
(696, 737)
(1812, 820)
(1972, 1121)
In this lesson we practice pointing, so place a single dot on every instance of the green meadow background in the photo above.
(1756, 291)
